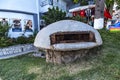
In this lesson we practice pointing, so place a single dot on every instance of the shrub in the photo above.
(3, 30)
(24, 40)
(6, 41)
(79, 18)
(54, 15)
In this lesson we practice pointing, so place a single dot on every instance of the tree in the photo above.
(54, 15)
(99, 14)
(76, 1)
(109, 3)
(82, 2)
(118, 2)
(99, 11)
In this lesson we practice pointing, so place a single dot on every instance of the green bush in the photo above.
(4, 30)
(54, 15)
(3, 35)
(6, 41)
(24, 40)
(79, 18)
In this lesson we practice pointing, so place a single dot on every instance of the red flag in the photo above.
(107, 14)
(82, 13)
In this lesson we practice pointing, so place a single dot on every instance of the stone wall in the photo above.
(17, 50)
(63, 57)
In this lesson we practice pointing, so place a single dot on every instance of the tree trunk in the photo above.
(99, 14)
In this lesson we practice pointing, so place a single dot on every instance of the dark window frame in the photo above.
(72, 37)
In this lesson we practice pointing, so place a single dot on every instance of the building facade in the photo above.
(24, 17)
(45, 4)
(20, 15)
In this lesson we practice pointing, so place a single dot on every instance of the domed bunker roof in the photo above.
(49, 37)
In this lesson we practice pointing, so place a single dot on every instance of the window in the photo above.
(44, 3)
(90, 2)
(51, 2)
(72, 37)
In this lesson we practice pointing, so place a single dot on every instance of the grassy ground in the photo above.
(105, 66)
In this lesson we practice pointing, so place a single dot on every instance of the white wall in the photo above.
(45, 8)
(15, 15)
(29, 6)
(61, 4)
(19, 5)
(115, 6)
(10, 15)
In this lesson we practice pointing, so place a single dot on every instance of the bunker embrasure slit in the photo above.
(72, 37)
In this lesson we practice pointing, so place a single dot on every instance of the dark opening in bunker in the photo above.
(72, 37)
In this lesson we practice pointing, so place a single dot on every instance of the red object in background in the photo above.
(82, 13)
(74, 13)
(107, 14)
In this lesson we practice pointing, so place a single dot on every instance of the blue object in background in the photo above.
(116, 25)
(17, 29)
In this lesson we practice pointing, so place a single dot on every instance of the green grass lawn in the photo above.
(105, 66)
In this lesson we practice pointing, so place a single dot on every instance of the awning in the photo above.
(81, 8)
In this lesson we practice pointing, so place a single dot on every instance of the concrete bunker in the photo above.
(68, 40)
